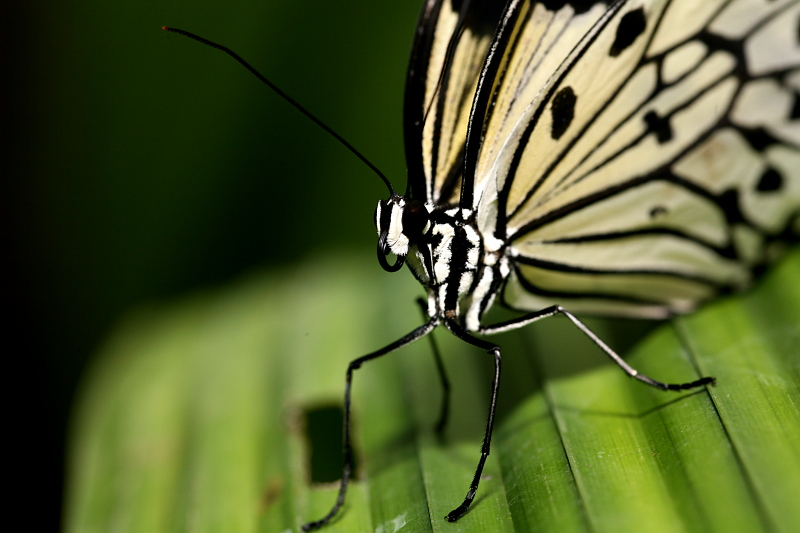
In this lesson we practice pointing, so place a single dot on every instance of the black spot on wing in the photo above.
(758, 138)
(630, 27)
(563, 110)
(658, 211)
(579, 6)
(795, 113)
(658, 125)
(770, 181)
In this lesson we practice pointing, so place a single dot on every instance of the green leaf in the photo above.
(193, 417)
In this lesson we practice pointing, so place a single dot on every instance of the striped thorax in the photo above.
(447, 254)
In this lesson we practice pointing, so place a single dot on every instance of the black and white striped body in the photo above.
(461, 268)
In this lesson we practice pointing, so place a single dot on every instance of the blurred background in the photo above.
(140, 166)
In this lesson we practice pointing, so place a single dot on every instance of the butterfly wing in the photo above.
(449, 49)
(640, 157)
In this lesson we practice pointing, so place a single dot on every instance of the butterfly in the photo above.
(628, 158)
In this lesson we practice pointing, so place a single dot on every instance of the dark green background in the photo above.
(141, 166)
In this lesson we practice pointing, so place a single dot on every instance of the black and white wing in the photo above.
(448, 53)
(636, 157)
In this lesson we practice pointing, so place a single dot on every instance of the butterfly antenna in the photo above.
(286, 97)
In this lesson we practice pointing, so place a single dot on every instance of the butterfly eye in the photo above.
(415, 220)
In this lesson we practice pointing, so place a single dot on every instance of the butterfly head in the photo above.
(401, 223)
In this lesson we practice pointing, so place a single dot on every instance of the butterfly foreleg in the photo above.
(493, 350)
(347, 449)
(629, 370)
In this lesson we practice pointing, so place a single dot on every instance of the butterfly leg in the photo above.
(493, 350)
(444, 410)
(347, 450)
(629, 370)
